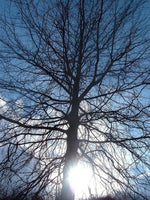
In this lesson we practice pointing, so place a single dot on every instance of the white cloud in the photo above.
(3, 106)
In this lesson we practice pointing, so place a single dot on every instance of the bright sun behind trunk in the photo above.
(80, 178)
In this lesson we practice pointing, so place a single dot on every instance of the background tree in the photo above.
(73, 79)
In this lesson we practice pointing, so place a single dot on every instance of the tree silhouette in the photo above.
(73, 79)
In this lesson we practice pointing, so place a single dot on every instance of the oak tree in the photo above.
(74, 88)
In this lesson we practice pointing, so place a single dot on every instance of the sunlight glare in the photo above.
(79, 178)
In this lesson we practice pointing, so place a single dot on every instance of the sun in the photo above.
(80, 177)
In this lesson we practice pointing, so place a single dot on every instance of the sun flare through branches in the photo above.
(80, 178)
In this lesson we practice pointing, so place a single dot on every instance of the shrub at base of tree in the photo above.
(102, 198)
(20, 196)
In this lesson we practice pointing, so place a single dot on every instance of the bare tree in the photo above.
(74, 81)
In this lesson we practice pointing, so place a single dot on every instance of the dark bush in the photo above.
(20, 196)
(101, 198)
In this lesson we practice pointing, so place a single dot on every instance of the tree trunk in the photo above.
(71, 160)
